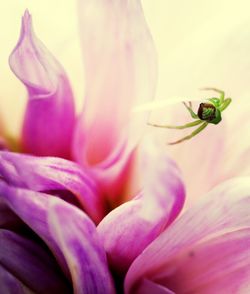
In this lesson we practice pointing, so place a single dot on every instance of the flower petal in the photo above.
(217, 224)
(8, 219)
(9, 284)
(149, 287)
(47, 215)
(127, 230)
(81, 247)
(50, 105)
(218, 58)
(54, 176)
(31, 264)
(32, 208)
(120, 66)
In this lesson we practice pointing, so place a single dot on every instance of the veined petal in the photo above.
(81, 247)
(211, 236)
(50, 105)
(31, 264)
(119, 59)
(53, 176)
(127, 230)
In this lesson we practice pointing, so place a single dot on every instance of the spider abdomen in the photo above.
(207, 112)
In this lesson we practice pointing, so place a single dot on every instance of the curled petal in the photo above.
(31, 264)
(206, 250)
(53, 176)
(127, 230)
(50, 115)
(120, 66)
(81, 247)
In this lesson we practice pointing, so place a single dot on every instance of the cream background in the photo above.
(199, 43)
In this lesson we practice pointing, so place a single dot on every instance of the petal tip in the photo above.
(26, 23)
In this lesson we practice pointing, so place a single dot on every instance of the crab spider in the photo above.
(208, 113)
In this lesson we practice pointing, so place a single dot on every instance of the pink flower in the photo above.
(72, 220)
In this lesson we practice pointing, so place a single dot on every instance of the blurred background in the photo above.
(199, 43)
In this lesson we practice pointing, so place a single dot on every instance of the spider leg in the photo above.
(225, 104)
(188, 125)
(190, 109)
(194, 133)
(222, 93)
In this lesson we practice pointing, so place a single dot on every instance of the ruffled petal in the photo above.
(120, 67)
(208, 244)
(53, 176)
(50, 116)
(81, 247)
(31, 264)
(128, 229)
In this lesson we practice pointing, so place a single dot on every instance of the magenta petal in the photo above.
(81, 247)
(31, 264)
(50, 115)
(120, 66)
(127, 230)
(206, 250)
(53, 175)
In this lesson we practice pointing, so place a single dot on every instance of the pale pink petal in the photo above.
(49, 118)
(217, 265)
(200, 159)
(81, 247)
(217, 224)
(217, 58)
(128, 229)
(120, 67)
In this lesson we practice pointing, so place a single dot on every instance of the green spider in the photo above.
(208, 113)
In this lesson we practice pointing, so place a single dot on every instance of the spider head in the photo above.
(209, 113)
